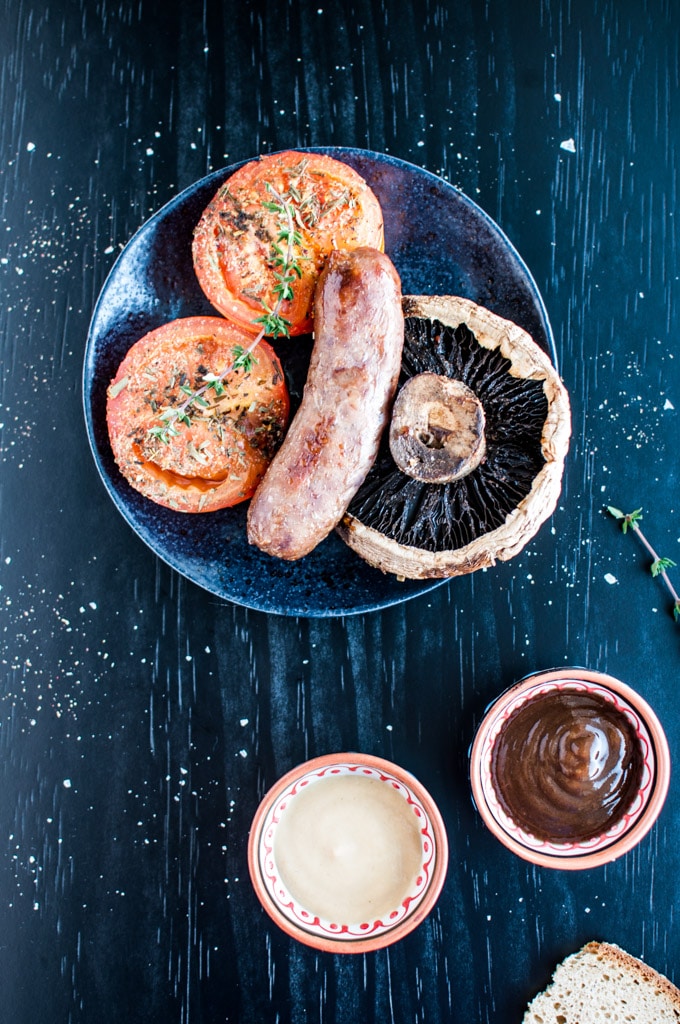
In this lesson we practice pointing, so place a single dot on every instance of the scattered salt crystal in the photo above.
(609, 578)
(668, 404)
(569, 145)
(67, 783)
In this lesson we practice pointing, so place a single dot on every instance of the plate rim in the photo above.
(418, 587)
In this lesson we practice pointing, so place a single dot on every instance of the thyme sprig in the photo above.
(659, 565)
(287, 271)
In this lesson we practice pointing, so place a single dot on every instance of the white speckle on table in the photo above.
(569, 145)
(609, 578)
(668, 404)
(67, 783)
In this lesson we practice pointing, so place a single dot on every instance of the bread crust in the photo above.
(644, 972)
(659, 998)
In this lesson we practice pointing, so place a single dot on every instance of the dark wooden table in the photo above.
(141, 717)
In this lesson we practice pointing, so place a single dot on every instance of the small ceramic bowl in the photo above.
(347, 853)
(629, 826)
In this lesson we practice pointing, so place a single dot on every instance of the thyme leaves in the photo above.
(297, 209)
(659, 565)
(272, 322)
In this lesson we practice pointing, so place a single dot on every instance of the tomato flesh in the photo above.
(233, 242)
(218, 459)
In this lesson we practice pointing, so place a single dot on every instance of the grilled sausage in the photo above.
(333, 439)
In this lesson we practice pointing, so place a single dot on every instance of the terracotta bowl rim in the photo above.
(660, 759)
(408, 923)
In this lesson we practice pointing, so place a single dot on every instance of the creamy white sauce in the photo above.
(348, 848)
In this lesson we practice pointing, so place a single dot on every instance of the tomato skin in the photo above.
(219, 459)
(233, 240)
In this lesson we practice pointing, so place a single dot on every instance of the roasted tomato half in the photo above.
(236, 240)
(218, 458)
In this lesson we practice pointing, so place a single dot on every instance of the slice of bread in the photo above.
(602, 984)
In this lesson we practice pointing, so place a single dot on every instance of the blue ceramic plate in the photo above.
(440, 242)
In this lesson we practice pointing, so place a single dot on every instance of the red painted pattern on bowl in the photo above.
(627, 830)
(312, 922)
(348, 936)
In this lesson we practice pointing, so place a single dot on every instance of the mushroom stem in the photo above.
(437, 429)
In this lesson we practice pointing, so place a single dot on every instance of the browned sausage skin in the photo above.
(333, 439)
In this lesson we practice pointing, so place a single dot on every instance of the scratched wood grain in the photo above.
(141, 719)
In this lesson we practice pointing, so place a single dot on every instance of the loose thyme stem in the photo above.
(272, 319)
(659, 565)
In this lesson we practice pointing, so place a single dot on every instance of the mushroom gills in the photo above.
(404, 499)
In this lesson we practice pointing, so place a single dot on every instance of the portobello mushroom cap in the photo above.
(419, 529)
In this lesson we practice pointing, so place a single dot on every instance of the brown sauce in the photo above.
(566, 766)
